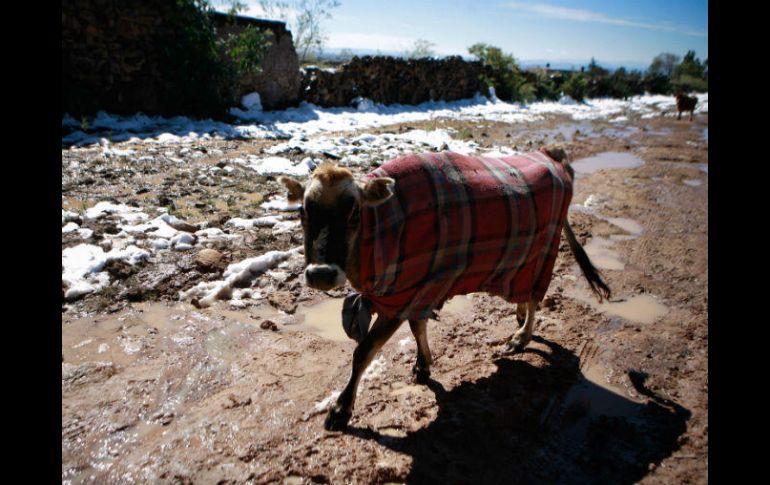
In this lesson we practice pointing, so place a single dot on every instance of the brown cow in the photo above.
(685, 103)
(534, 191)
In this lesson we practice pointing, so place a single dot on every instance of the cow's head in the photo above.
(331, 218)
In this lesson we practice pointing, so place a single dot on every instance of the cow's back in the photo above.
(459, 224)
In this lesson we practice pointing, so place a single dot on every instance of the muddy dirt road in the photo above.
(156, 390)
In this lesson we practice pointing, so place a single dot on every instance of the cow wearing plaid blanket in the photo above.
(423, 228)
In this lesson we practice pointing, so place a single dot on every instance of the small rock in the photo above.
(119, 269)
(183, 226)
(268, 325)
(208, 259)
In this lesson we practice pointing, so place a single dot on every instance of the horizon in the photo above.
(615, 34)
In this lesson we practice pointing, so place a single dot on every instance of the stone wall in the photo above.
(113, 59)
(389, 80)
(108, 59)
(278, 84)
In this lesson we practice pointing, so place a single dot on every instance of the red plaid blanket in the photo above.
(459, 224)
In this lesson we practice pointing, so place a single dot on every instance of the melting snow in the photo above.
(308, 119)
(237, 274)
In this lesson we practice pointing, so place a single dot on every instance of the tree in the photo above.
(596, 71)
(690, 74)
(503, 73)
(345, 54)
(422, 48)
(305, 18)
(664, 64)
(690, 66)
(576, 87)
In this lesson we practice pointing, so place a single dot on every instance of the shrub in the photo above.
(503, 73)
(576, 87)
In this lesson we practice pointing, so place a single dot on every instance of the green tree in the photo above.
(576, 87)
(689, 75)
(503, 73)
(596, 71)
(664, 64)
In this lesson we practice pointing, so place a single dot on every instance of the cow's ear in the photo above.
(377, 191)
(295, 189)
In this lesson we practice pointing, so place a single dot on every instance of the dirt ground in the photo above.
(155, 390)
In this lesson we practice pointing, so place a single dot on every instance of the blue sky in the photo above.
(630, 33)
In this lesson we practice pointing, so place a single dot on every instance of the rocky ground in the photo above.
(164, 380)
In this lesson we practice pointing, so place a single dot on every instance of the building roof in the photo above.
(244, 20)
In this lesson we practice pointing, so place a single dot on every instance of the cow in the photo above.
(685, 103)
(425, 227)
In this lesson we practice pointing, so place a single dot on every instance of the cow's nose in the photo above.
(321, 276)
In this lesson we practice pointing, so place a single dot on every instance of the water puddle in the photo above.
(607, 160)
(594, 396)
(567, 131)
(638, 308)
(602, 256)
(692, 182)
(703, 167)
(118, 338)
(324, 318)
(706, 134)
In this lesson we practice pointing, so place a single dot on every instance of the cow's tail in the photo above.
(589, 271)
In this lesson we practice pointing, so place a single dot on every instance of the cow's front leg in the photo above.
(522, 337)
(381, 331)
(421, 369)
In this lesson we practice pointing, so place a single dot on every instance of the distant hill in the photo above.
(333, 54)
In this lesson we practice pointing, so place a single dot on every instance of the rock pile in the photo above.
(389, 80)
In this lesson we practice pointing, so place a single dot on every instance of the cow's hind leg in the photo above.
(381, 331)
(521, 312)
(421, 369)
(522, 337)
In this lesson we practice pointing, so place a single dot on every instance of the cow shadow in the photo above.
(530, 424)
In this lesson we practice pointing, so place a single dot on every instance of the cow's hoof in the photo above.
(515, 346)
(421, 376)
(337, 420)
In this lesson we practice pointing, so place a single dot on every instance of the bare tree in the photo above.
(305, 18)
(422, 48)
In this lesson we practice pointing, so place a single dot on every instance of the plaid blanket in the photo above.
(459, 224)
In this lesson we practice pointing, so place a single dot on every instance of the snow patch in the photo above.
(237, 274)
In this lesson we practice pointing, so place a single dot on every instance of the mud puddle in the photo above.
(606, 160)
(637, 308)
(596, 397)
(602, 256)
(324, 318)
(118, 338)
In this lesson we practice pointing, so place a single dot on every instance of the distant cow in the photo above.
(685, 103)
(424, 228)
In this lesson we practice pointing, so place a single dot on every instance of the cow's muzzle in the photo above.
(324, 276)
